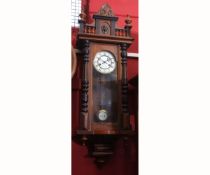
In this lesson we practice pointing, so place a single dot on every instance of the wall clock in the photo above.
(104, 114)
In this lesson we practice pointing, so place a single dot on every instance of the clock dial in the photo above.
(102, 115)
(104, 62)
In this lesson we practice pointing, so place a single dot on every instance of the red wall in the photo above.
(125, 159)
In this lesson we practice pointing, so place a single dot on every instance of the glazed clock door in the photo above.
(105, 87)
(105, 90)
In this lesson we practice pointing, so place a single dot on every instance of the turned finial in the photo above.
(128, 26)
(128, 21)
(82, 15)
(82, 19)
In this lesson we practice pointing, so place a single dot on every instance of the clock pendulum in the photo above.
(100, 105)
(102, 113)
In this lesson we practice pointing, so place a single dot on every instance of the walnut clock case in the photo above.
(104, 112)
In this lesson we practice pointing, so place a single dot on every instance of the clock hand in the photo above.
(107, 62)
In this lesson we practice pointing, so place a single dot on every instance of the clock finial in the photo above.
(82, 19)
(82, 15)
(128, 25)
(128, 20)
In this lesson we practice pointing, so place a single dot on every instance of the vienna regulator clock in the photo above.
(104, 112)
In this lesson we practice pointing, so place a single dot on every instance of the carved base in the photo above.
(101, 148)
(102, 152)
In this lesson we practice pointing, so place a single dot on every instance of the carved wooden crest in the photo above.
(105, 11)
(105, 25)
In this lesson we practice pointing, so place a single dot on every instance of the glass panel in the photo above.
(105, 95)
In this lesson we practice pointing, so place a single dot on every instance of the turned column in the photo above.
(84, 87)
(124, 85)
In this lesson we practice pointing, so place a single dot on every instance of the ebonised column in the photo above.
(124, 88)
(84, 87)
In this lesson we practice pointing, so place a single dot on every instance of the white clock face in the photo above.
(102, 115)
(104, 62)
